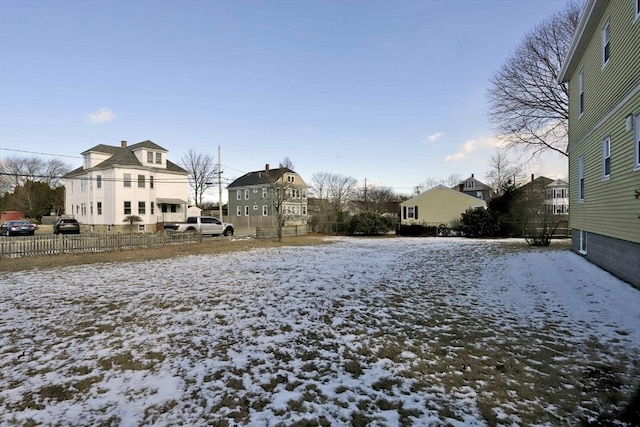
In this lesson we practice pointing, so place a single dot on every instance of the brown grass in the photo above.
(209, 245)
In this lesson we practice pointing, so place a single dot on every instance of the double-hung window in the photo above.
(581, 92)
(238, 194)
(636, 130)
(637, 9)
(127, 180)
(141, 181)
(99, 181)
(127, 208)
(581, 179)
(606, 158)
(142, 208)
(606, 43)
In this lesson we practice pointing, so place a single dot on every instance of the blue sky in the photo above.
(390, 91)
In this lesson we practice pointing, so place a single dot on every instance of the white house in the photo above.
(115, 182)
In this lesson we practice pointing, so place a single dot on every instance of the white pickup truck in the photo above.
(202, 224)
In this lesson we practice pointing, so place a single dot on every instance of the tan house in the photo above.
(603, 71)
(439, 205)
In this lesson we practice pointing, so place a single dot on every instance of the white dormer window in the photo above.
(158, 158)
(86, 161)
(149, 156)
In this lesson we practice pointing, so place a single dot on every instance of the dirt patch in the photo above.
(209, 245)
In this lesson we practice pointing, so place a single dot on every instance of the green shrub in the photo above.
(371, 224)
(480, 223)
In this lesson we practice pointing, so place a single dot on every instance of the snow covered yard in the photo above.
(377, 332)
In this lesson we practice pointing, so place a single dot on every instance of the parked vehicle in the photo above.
(18, 227)
(66, 226)
(201, 224)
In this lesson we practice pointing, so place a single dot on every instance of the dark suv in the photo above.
(66, 226)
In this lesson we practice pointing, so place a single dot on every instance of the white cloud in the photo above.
(103, 115)
(436, 136)
(463, 150)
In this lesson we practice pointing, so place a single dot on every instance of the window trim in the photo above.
(637, 10)
(582, 248)
(239, 194)
(581, 92)
(606, 43)
(606, 158)
(636, 136)
(581, 179)
(127, 206)
(126, 180)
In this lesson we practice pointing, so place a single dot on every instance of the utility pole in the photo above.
(219, 185)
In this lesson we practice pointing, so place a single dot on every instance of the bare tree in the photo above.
(281, 192)
(503, 171)
(528, 107)
(202, 173)
(335, 191)
(451, 181)
(16, 171)
(380, 200)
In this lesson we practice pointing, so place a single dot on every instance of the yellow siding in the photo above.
(612, 93)
(604, 87)
(441, 205)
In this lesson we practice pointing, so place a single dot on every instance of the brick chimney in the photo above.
(123, 144)
(266, 167)
(532, 177)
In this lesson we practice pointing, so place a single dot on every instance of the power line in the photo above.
(39, 153)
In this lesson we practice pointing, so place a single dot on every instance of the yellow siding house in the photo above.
(439, 205)
(603, 71)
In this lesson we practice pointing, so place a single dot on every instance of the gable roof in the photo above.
(262, 177)
(479, 185)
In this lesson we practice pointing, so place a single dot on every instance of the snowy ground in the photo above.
(377, 332)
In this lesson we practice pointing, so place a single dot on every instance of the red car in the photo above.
(14, 228)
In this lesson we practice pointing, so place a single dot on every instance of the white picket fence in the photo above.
(38, 245)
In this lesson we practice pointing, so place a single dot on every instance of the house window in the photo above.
(637, 7)
(246, 211)
(246, 194)
(239, 211)
(304, 210)
(583, 242)
(264, 192)
(150, 181)
(99, 181)
(470, 184)
(149, 157)
(153, 208)
(91, 208)
(127, 208)
(175, 208)
(141, 181)
(158, 158)
(238, 194)
(410, 213)
(581, 91)
(127, 180)
(141, 228)
(142, 208)
(99, 208)
(606, 158)
(636, 129)
(581, 179)
(265, 210)
(606, 43)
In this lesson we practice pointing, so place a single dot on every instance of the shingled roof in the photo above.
(267, 176)
(124, 156)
